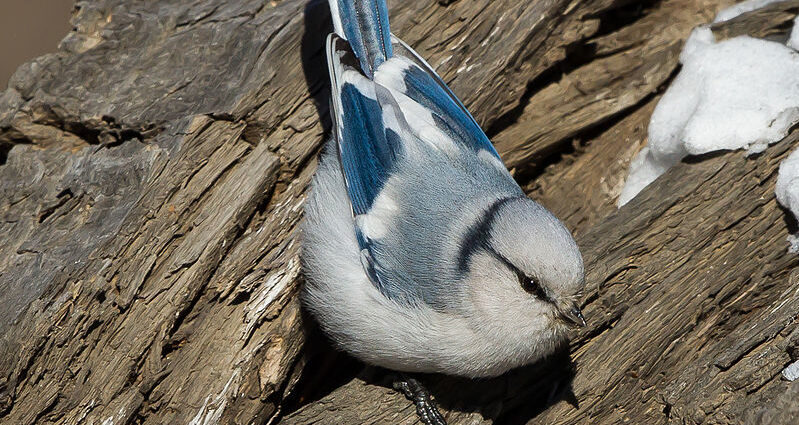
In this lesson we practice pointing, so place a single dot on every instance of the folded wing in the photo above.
(380, 124)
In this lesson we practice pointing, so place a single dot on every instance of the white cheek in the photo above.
(505, 308)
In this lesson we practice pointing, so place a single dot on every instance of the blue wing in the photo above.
(367, 149)
(404, 108)
(370, 131)
(424, 86)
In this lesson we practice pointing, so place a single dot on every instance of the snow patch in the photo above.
(741, 8)
(787, 191)
(734, 94)
(791, 373)
(793, 42)
(793, 244)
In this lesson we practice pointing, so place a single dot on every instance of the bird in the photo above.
(421, 253)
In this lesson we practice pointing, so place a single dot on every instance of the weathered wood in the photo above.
(692, 304)
(607, 75)
(655, 363)
(771, 21)
(156, 177)
(152, 177)
(598, 164)
(583, 186)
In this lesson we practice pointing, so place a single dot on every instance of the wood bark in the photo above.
(152, 175)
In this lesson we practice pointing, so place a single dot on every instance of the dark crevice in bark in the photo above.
(62, 198)
(8, 139)
(577, 55)
(106, 131)
(526, 176)
(5, 148)
(626, 14)
(326, 369)
(574, 145)
(790, 221)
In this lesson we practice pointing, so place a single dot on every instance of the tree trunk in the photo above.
(153, 172)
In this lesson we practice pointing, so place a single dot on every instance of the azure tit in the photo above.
(421, 252)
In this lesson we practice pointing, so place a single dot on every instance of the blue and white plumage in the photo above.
(421, 252)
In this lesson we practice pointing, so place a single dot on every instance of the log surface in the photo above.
(152, 176)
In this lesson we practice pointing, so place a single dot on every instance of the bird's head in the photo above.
(524, 273)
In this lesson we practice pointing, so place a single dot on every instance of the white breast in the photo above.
(372, 327)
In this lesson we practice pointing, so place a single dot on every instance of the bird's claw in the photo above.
(418, 394)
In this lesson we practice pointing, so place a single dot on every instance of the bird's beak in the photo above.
(572, 314)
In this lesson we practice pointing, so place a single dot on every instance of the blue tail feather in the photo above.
(364, 24)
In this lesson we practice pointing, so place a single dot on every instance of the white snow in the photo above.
(788, 182)
(793, 241)
(741, 8)
(787, 190)
(793, 42)
(737, 93)
(791, 373)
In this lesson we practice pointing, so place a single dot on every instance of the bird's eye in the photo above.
(531, 285)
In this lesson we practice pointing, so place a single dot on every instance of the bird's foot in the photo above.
(418, 394)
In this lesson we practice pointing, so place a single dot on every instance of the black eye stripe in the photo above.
(477, 234)
(529, 284)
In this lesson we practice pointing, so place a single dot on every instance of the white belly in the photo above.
(375, 329)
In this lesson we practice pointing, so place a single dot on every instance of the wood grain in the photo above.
(152, 176)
